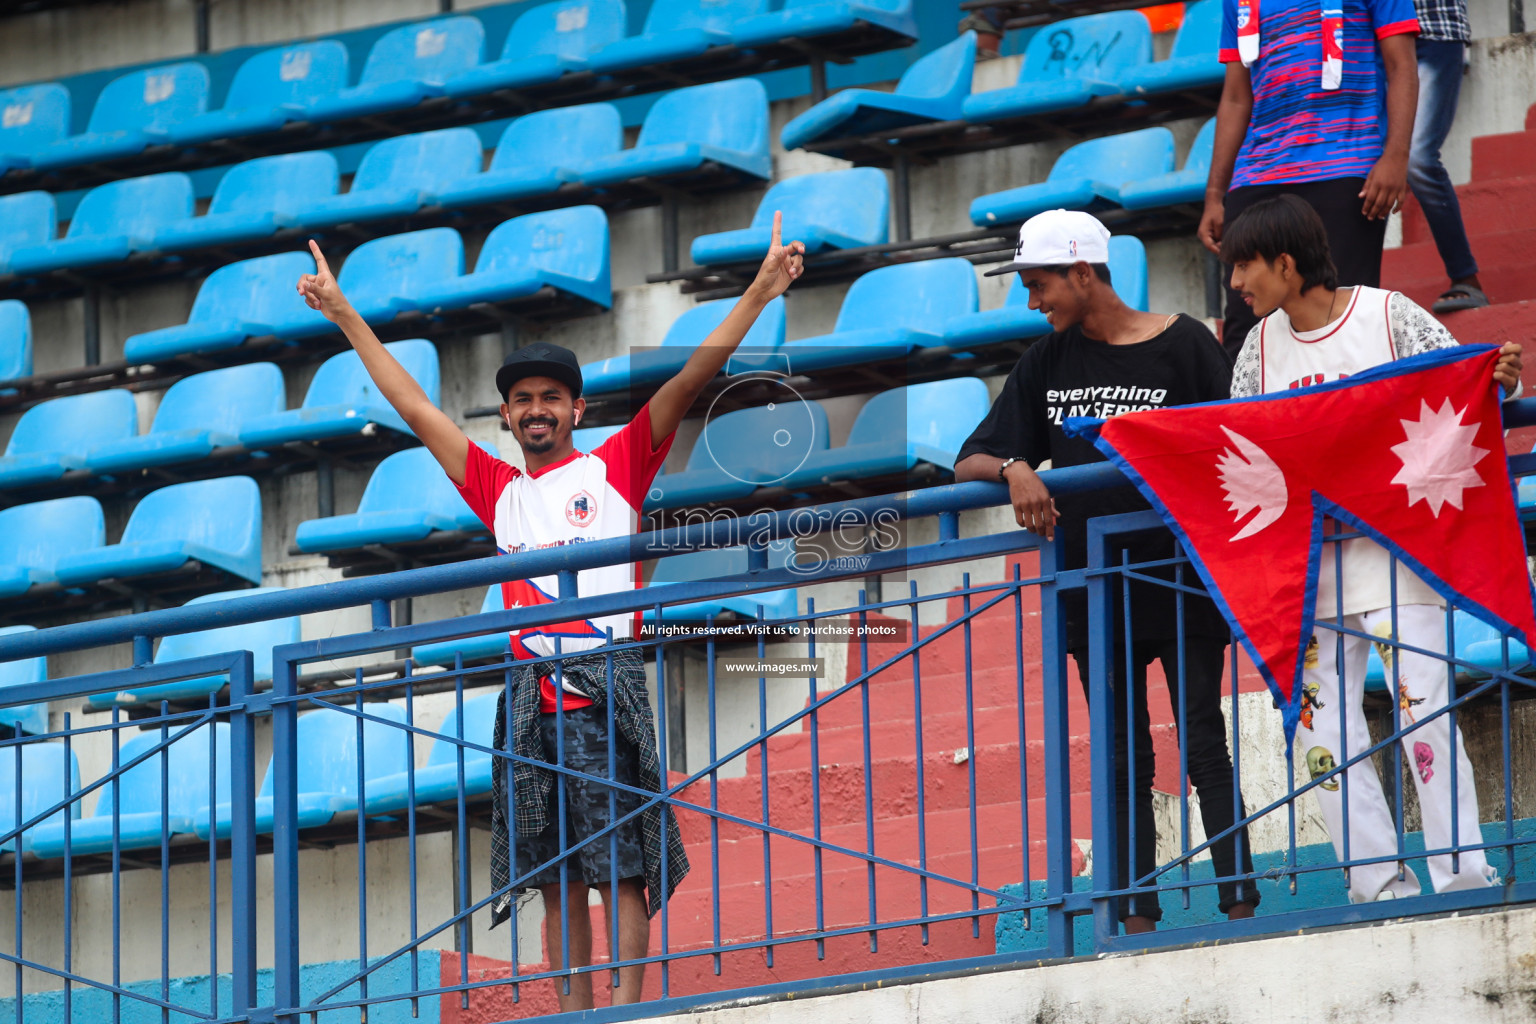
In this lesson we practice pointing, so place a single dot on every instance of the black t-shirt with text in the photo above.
(1068, 374)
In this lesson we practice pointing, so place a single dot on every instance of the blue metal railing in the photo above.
(941, 883)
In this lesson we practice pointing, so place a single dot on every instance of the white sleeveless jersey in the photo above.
(1287, 358)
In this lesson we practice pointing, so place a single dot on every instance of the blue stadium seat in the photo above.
(140, 801)
(538, 153)
(197, 414)
(216, 522)
(32, 119)
(33, 538)
(726, 122)
(473, 648)
(1014, 320)
(398, 177)
(740, 451)
(932, 89)
(1476, 642)
(43, 774)
(257, 637)
(438, 780)
(545, 42)
(254, 199)
(31, 719)
(133, 113)
(27, 220)
(1086, 177)
(327, 768)
(52, 437)
(652, 366)
(566, 250)
(888, 313)
(269, 90)
(1183, 186)
(1067, 65)
(407, 499)
(675, 30)
(111, 221)
(1191, 65)
(381, 278)
(342, 399)
(237, 301)
(15, 340)
(406, 66)
(830, 210)
(808, 19)
(716, 564)
(899, 430)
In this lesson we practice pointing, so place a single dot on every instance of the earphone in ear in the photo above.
(576, 419)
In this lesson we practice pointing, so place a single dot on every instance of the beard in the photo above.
(538, 446)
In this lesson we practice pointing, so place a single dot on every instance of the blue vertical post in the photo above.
(1101, 732)
(242, 844)
(285, 838)
(1057, 750)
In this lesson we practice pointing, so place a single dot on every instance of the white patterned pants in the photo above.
(1333, 729)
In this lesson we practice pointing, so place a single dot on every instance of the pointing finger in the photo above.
(778, 228)
(320, 264)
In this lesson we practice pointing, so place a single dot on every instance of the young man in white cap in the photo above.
(564, 496)
(1104, 358)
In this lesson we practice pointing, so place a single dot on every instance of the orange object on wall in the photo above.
(1164, 17)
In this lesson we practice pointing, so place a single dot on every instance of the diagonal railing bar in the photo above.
(670, 798)
(202, 719)
(1338, 770)
(116, 990)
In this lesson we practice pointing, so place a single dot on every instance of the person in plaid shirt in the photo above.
(1442, 52)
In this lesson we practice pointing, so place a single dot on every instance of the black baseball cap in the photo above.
(540, 359)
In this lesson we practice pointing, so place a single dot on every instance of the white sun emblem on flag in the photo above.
(1438, 457)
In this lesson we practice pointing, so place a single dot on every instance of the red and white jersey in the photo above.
(582, 498)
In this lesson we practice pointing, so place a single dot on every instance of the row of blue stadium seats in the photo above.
(419, 273)
(887, 312)
(217, 522)
(237, 406)
(724, 124)
(1066, 67)
(440, 58)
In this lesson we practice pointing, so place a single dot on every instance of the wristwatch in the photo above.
(1004, 468)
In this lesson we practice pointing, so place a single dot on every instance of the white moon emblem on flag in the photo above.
(1251, 481)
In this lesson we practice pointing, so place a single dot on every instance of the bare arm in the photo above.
(1033, 507)
(443, 438)
(674, 398)
(1388, 180)
(1232, 114)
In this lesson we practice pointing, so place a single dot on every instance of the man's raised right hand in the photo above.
(320, 290)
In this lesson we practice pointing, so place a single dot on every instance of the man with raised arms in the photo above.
(564, 496)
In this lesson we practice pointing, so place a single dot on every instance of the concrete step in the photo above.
(1506, 155)
(1418, 273)
(1487, 207)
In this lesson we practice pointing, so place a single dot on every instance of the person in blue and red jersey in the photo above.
(560, 715)
(1318, 102)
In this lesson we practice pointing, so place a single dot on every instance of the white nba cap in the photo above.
(1058, 238)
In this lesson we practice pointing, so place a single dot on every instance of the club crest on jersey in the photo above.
(581, 509)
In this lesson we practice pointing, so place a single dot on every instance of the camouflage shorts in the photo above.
(617, 854)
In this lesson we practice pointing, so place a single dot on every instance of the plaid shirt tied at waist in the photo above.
(531, 784)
